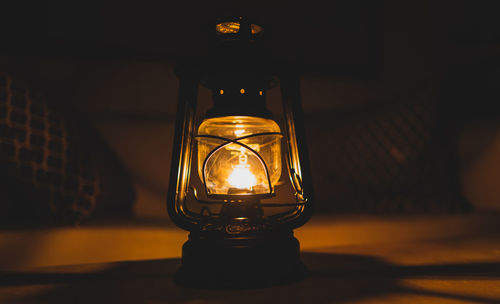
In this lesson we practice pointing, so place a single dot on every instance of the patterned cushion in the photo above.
(47, 174)
(390, 157)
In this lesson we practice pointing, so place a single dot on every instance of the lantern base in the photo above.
(240, 262)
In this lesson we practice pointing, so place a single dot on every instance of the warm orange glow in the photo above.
(221, 92)
(242, 178)
(232, 27)
(228, 27)
(256, 28)
(242, 91)
(252, 163)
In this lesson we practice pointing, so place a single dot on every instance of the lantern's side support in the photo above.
(298, 164)
(182, 152)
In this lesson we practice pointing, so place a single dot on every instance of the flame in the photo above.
(242, 178)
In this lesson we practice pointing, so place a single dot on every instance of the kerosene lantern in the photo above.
(239, 179)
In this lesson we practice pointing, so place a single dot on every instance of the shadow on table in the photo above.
(333, 278)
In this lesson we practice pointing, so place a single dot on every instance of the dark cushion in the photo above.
(54, 168)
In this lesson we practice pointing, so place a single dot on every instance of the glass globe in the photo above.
(250, 164)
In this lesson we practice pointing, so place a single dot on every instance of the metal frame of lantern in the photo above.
(185, 123)
(266, 250)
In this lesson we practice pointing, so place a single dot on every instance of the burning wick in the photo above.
(242, 178)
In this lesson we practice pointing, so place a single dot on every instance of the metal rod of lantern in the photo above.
(183, 144)
(298, 158)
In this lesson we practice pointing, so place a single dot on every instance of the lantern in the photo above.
(239, 179)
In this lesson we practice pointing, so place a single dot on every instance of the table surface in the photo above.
(445, 259)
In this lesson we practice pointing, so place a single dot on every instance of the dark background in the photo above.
(113, 62)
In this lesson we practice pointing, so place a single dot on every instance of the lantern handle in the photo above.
(181, 154)
(297, 156)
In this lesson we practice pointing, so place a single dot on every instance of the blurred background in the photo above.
(400, 99)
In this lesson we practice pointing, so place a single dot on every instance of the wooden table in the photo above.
(440, 259)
